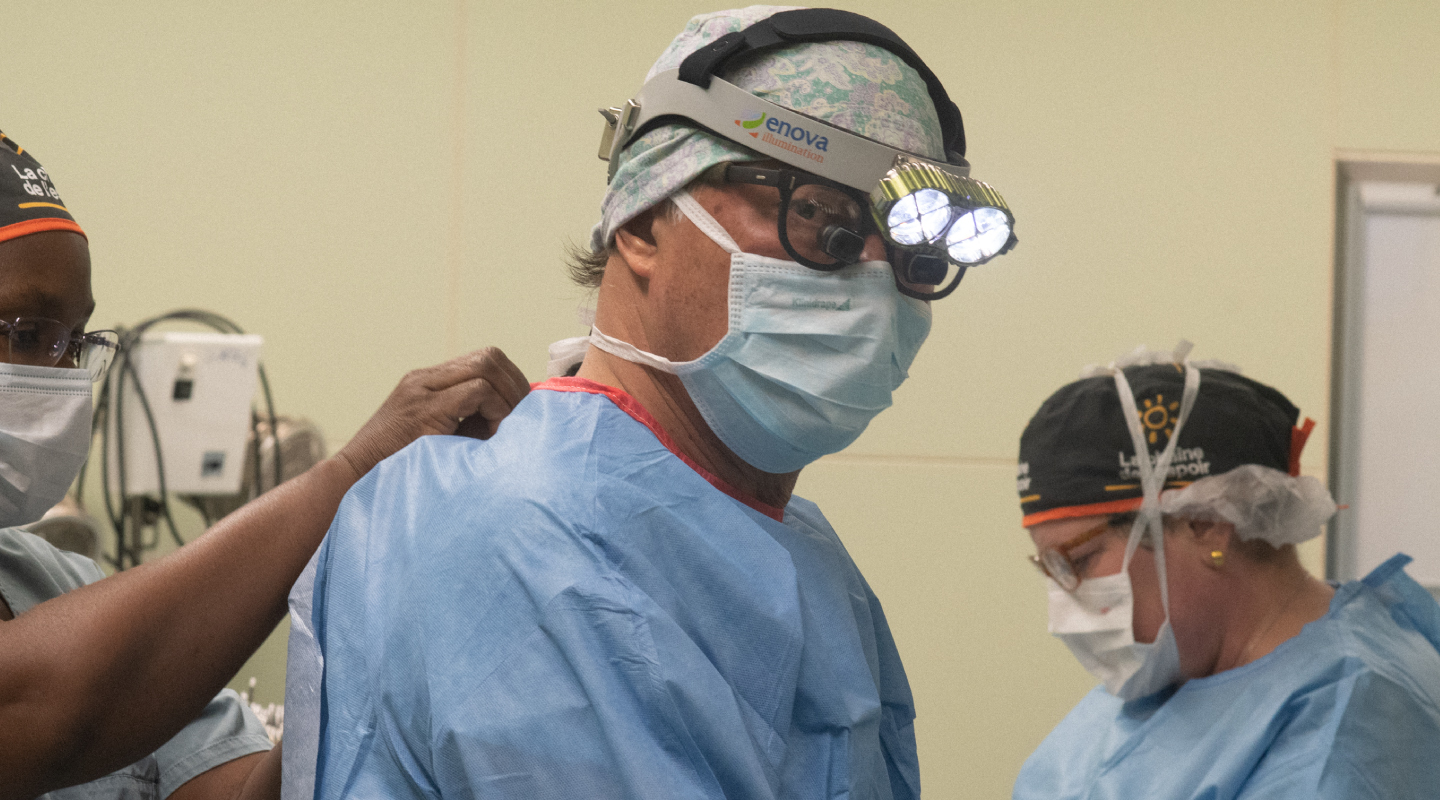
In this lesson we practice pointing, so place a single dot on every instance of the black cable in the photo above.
(274, 428)
(159, 461)
(123, 552)
(255, 448)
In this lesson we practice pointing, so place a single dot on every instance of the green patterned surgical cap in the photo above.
(859, 87)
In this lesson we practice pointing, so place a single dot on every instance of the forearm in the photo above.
(99, 677)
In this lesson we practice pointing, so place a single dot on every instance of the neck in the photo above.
(664, 396)
(1276, 602)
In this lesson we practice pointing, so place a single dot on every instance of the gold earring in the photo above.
(1217, 558)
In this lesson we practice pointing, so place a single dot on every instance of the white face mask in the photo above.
(1097, 624)
(1097, 620)
(44, 437)
(809, 359)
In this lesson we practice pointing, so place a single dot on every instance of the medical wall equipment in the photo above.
(936, 220)
(299, 445)
(197, 388)
(173, 416)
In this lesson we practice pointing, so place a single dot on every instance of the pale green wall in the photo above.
(376, 186)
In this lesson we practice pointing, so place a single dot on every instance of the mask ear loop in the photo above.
(630, 352)
(691, 208)
(707, 224)
(1153, 475)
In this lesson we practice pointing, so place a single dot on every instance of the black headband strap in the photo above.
(824, 25)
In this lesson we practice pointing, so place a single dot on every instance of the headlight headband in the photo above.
(963, 220)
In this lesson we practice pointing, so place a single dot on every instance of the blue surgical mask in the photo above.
(809, 359)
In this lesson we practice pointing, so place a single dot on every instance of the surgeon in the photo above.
(96, 675)
(618, 596)
(1165, 502)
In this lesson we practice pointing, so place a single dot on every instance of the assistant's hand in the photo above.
(468, 395)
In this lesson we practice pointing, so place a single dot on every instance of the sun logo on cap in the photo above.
(1159, 417)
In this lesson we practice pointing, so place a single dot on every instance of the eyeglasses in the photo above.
(824, 224)
(40, 342)
(1055, 561)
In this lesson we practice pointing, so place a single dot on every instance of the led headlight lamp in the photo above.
(936, 218)
(941, 216)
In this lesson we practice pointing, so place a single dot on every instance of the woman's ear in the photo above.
(1214, 534)
(637, 243)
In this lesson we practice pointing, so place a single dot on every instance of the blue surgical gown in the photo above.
(571, 610)
(1348, 708)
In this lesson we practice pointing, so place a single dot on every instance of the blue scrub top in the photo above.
(571, 609)
(31, 572)
(1348, 708)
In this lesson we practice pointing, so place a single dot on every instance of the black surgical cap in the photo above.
(29, 202)
(1077, 458)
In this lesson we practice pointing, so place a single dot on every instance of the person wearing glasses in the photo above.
(618, 596)
(1165, 502)
(108, 686)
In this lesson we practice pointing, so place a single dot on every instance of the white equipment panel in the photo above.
(199, 387)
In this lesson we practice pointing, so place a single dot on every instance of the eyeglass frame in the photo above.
(787, 180)
(1058, 557)
(75, 346)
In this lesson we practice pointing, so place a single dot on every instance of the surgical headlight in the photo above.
(936, 212)
(935, 218)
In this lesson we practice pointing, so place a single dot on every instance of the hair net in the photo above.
(1262, 503)
(1143, 356)
(858, 87)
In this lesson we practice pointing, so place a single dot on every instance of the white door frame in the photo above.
(1352, 169)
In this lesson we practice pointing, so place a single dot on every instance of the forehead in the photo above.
(46, 275)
